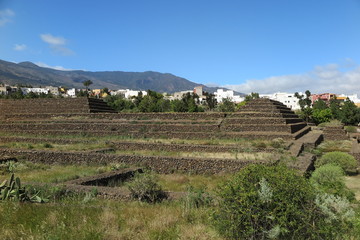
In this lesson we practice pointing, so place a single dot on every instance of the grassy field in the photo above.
(104, 219)
(70, 215)
(76, 216)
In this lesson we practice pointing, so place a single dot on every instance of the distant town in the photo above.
(288, 99)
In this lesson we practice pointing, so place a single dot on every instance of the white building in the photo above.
(354, 98)
(287, 99)
(71, 92)
(220, 94)
(127, 93)
(35, 90)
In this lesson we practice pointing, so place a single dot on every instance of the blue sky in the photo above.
(254, 45)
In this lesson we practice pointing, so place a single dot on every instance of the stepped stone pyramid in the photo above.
(265, 118)
(53, 106)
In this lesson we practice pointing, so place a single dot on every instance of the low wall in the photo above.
(123, 145)
(170, 134)
(121, 127)
(164, 165)
(125, 116)
(335, 133)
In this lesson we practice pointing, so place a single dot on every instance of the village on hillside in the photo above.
(288, 99)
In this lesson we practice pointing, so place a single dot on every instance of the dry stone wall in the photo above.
(144, 145)
(335, 133)
(164, 165)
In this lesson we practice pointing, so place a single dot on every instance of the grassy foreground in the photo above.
(103, 219)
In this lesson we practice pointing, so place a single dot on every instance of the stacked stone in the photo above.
(265, 118)
(335, 133)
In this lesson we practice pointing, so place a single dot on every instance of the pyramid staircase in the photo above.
(99, 106)
(265, 118)
(53, 106)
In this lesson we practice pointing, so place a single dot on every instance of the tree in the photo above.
(178, 106)
(321, 115)
(305, 105)
(335, 106)
(87, 83)
(211, 101)
(320, 105)
(251, 96)
(350, 113)
(227, 105)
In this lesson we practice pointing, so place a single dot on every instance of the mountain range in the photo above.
(28, 73)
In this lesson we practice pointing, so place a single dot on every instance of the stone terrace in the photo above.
(56, 118)
(261, 118)
(53, 106)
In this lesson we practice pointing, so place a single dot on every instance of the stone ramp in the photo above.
(310, 140)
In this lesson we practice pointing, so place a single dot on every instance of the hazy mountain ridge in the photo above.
(28, 73)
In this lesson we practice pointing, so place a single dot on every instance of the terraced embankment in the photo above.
(85, 121)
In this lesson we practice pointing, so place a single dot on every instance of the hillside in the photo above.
(28, 73)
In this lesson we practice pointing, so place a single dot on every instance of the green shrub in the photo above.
(267, 202)
(196, 198)
(344, 160)
(47, 145)
(321, 116)
(144, 187)
(329, 179)
(338, 214)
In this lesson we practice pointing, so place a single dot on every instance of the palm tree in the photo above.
(87, 83)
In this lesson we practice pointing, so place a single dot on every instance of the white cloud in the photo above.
(52, 40)
(19, 47)
(57, 44)
(41, 64)
(328, 78)
(6, 16)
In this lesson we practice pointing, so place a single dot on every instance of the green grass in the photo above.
(71, 217)
(57, 147)
(181, 182)
(103, 219)
(36, 172)
(246, 143)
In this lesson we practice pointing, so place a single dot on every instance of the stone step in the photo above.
(255, 126)
(261, 120)
(301, 132)
(256, 115)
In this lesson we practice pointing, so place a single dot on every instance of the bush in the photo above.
(344, 160)
(267, 202)
(144, 187)
(339, 216)
(321, 116)
(329, 179)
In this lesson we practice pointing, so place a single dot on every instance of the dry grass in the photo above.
(181, 182)
(353, 182)
(217, 155)
(332, 146)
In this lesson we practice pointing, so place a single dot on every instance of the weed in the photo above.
(47, 145)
